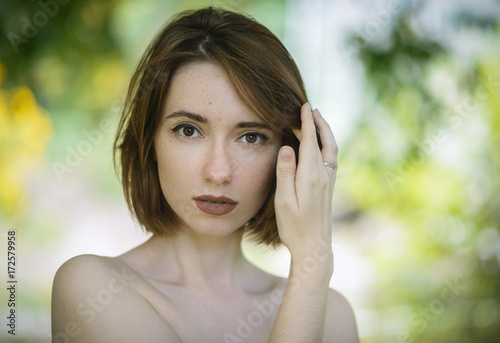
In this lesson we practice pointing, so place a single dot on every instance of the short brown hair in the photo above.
(263, 74)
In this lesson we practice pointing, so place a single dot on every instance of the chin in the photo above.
(218, 228)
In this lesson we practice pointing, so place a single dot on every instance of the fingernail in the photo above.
(285, 154)
(309, 106)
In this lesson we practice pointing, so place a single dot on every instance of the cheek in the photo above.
(173, 170)
(258, 171)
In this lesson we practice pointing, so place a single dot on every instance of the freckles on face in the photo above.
(209, 143)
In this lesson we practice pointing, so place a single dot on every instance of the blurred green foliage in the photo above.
(426, 160)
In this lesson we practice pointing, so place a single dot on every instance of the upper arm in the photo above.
(340, 325)
(95, 301)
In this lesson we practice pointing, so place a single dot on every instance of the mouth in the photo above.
(213, 205)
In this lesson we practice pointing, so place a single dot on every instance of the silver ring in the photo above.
(331, 165)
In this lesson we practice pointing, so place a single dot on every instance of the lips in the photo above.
(217, 206)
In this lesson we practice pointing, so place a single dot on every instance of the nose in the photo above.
(218, 166)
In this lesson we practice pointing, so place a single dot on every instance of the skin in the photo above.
(197, 286)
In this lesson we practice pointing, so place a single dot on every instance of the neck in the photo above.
(195, 262)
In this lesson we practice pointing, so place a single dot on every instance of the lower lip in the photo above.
(214, 208)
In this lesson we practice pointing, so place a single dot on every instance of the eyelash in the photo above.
(182, 126)
(263, 138)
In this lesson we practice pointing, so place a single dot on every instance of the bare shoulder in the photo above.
(78, 267)
(95, 299)
(340, 325)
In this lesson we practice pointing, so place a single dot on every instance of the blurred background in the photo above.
(410, 88)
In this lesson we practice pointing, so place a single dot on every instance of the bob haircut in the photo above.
(263, 75)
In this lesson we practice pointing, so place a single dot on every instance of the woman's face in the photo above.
(216, 159)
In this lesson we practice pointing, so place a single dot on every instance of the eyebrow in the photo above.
(201, 119)
(193, 116)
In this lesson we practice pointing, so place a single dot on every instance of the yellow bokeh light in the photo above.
(25, 131)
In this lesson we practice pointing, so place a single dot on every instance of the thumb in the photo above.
(285, 174)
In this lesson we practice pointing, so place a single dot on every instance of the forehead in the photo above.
(204, 88)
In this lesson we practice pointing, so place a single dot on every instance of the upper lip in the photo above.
(214, 198)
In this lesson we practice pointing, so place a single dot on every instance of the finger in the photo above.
(329, 149)
(285, 176)
(308, 129)
(309, 153)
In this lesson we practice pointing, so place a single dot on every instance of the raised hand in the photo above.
(303, 200)
(303, 204)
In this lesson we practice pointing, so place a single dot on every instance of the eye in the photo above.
(253, 138)
(186, 130)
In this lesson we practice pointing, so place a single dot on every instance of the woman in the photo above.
(208, 145)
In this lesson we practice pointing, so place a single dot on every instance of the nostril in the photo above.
(218, 168)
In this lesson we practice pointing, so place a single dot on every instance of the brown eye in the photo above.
(188, 131)
(251, 138)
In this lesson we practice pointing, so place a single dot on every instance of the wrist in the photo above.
(315, 263)
(318, 250)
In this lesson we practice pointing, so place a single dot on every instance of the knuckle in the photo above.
(318, 183)
(282, 202)
(314, 183)
(335, 149)
(326, 125)
(284, 171)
